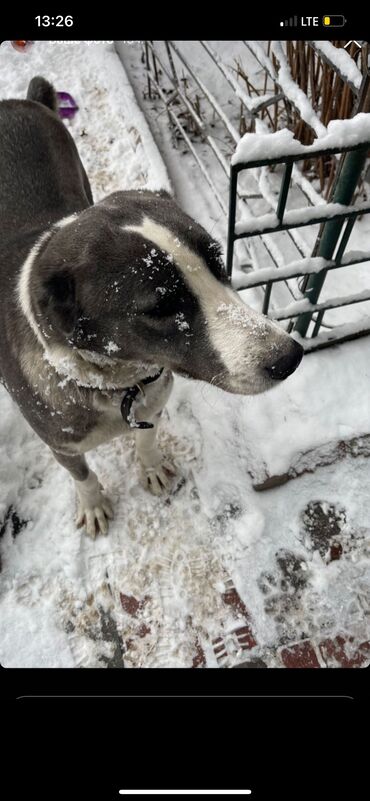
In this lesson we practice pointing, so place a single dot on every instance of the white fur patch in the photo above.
(25, 275)
(67, 220)
(24, 296)
(241, 336)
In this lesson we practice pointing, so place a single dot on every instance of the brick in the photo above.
(199, 660)
(219, 647)
(245, 637)
(143, 630)
(336, 551)
(131, 605)
(337, 652)
(232, 598)
(300, 655)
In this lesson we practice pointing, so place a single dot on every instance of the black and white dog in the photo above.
(100, 303)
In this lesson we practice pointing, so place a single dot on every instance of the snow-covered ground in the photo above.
(217, 573)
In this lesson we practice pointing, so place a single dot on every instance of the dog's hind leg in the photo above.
(93, 508)
(156, 473)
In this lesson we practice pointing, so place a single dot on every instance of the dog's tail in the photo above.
(41, 90)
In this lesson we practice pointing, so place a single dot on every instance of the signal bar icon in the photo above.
(291, 22)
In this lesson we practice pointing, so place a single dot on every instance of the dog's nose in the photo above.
(286, 364)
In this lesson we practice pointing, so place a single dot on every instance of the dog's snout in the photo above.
(286, 365)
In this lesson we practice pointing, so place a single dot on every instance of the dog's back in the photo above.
(36, 185)
(41, 181)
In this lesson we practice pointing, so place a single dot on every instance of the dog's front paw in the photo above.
(95, 519)
(158, 479)
(94, 509)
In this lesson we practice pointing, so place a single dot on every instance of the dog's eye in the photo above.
(161, 311)
(165, 306)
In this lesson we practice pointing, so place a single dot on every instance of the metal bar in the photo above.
(336, 303)
(338, 340)
(318, 322)
(266, 299)
(268, 102)
(221, 159)
(148, 69)
(297, 98)
(169, 54)
(284, 226)
(314, 153)
(216, 151)
(349, 176)
(213, 102)
(263, 59)
(231, 223)
(254, 280)
(240, 93)
(191, 148)
(324, 57)
(284, 189)
(297, 240)
(183, 97)
(344, 240)
(155, 65)
(343, 191)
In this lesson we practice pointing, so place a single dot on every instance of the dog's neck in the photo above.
(90, 369)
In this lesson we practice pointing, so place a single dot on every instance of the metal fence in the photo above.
(165, 62)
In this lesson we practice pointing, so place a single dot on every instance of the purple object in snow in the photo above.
(67, 105)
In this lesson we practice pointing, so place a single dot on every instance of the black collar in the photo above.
(128, 399)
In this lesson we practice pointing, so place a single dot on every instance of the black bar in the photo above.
(344, 240)
(335, 265)
(266, 299)
(110, 22)
(336, 341)
(330, 151)
(284, 189)
(231, 223)
(284, 227)
(318, 322)
(318, 308)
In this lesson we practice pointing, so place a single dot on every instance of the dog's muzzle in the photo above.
(287, 364)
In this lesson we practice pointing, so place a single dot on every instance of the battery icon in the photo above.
(334, 21)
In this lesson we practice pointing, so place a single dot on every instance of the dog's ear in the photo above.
(58, 301)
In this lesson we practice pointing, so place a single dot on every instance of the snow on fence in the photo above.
(323, 140)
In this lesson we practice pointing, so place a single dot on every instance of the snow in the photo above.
(339, 133)
(292, 91)
(300, 267)
(111, 347)
(302, 216)
(211, 98)
(342, 61)
(60, 593)
(348, 329)
(299, 306)
(94, 77)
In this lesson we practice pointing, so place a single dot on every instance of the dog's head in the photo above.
(136, 279)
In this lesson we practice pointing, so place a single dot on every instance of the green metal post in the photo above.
(352, 166)
(348, 177)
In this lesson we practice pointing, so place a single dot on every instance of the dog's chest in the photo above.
(110, 422)
(108, 425)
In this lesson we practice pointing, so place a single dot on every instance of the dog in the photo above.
(102, 303)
